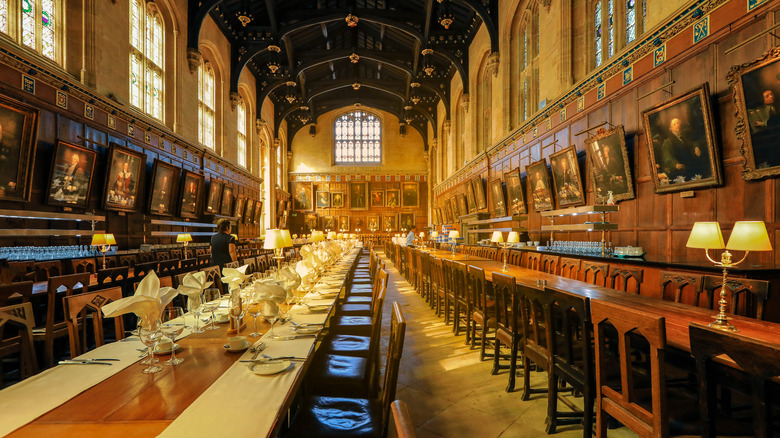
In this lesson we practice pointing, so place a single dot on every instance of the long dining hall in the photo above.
(389, 218)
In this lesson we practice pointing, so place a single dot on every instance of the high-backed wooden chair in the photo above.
(626, 279)
(22, 288)
(685, 288)
(533, 260)
(448, 280)
(16, 325)
(141, 269)
(491, 253)
(508, 330)
(46, 269)
(128, 260)
(76, 309)
(84, 265)
(145, 257)
(515, 257)
(462, 306)
(162, 255)
(570, 268)
(176, 254)
(595, 272)
(20, 271)
(251, 263)
(746, 297)
(358, 416)
(111, 261)
(54, 325)
(438, 292)
(402, 420)
(536, 324)
(213, 275)
(167, 267)
(262, 263)
(112, 275)
(550, 263)
(203, 260)
(758, 360)
(482, 311)
(232, 265)
(186, 265)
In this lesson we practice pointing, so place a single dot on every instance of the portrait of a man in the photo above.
(497, 198)
(328, 223)
(377, 198)
(391, 198)
(164, 182)
(358, 195)
(357, 224)
(302, 196)
(683, 152)
(337, 199)
(18, 132)
(479, 192)
(409, 195)
(227, 201)
(323, 199)
(343, 223)
(249, 210)
(215, 194)
(390, 222)
(514, 192)
(470, 201)
(71, 175)
(566, 177)
(462, 204)
(310, 221)
(539, 183)
(238, 210)
(373, 223)
(191, 189)
(610, 172)
(756, 90)
(122, 185)
(407, 221)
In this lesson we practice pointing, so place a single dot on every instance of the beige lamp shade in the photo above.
(331, 235)
(513, 237)
(749, 236)
(185, 237)
(287, 238)
(454, 234)
(317, 236)
(294, 236)
(706, 235)
(422, 234)
(435, 234)
(103, 239)
(497, 237)
(273, 239)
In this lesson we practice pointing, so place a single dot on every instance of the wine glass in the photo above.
(173, 325)
(194, 306)
(271, 315)
(210, 304)
(254, 307)
(149, 332)
(236, 309)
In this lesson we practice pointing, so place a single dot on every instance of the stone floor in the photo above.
(449, 391)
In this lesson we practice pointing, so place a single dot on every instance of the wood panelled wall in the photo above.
(70, 125)
(658, 222)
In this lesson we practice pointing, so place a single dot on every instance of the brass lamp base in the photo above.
(722, 323)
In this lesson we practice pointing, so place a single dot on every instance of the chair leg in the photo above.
(496, 357)
(602, 418)
(587, 420)
(526, 379)
(512, 367)
(552, 404)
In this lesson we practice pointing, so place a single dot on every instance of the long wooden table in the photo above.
(677, 316)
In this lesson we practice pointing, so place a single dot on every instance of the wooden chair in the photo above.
(232, 265)
(7, 291)
(168, 267)
(161, 256)
(84, 265)
(595, 272)
(404, 427)
(536, 323)
(251, 263)
(448, 280)
(461, 304)
(482, 311)
(203, 260)
(570, 268)
(128, 260)
(747, 297)
(111, 261)
(490, 253)
(533, 260)
(759, 361)
(438, 288)
(262, 263)
(550, 263)
(200, 252)
(176, 254)
(16, 325)
(515, 257)
(508, 332)
(145, 257)
(368, 416)
(76, 309)
(214, 275)
(20, 271)
(681, 282)
(55, 326)
(113, 275)
(141, 269)
(187, 265)
(625, 275)
(45, 270)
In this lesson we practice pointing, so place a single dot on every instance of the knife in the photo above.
(82, 362)
(289, 338)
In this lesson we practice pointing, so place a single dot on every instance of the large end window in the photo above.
(358, 138)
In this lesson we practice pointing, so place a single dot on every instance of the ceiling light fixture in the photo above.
(415, 93)
(445, 14)
(289, 95)
(273, 63)
(352, 20)
(356, 86)
(428, 67)
(408, 114)
(304, 115)
(243, 14)
(354, 58)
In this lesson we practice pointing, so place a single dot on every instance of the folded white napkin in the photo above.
(292, 280)
(234, 277)
(194, 284)
(271, 295)
(147, 303)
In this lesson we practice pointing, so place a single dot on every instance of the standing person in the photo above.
(410, 237)
(223, 245)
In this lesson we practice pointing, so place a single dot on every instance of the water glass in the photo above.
(173, 325)
(149, 332)
(194, 306)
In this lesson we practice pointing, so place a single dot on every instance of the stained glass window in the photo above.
(597, 42)
(279, 181)
(241, 128)
(4, 16)
(529, 71)
(206, 100)
(525, 98)
(358, 138)
(611, 37)
(147, 58)
(630, 20)
(39, 24)
(525, 48)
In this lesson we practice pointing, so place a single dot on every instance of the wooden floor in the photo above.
(450, 392)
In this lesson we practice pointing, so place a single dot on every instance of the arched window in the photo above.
(206, 104)
(460, 136)
(358, 137)
(147, 58)
(279, 181)
(529, 63)
(241, 133)
(597, 40)
(617, 23)
(36, 24)
(484, 122)
(635, 23)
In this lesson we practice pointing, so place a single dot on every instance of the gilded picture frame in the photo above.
(215, 197)
(165, 181)
(226, 204)
(462, 204)
(406, 221)
(72, 170)
(410, 194)
(470, 199)
(515, 195)
(123, 179)
(610, 168)
(392, 198)
(539, 185)
(377, 198)
(497, 198)
(337, 199)
(479, 193)
(390, 222)
(19, 127)
(567, 180)
(302, 196)
(323, 199)
(191, 190)
(358, 195)
(249, 210)
(238, 208)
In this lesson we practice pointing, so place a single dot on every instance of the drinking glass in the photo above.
(236, 309)
(149, 332)
(194, 306)
(272, 317)
(173, 325)
(210, 304)
(254, 308)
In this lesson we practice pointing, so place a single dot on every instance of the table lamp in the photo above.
(331, 235)
(184, 239)
(317, 236)
(454, 234)
(103, 242)
(746, 236)
(287, 238)
(275, 241)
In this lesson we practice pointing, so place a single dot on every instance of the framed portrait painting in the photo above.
(19, 129)
(683, 154)
(258, 212)
(392, 198)
(390, 222)
(410, 196)
(343, 223)
(310, 221)
(238, 208)
(249, 209)
(377, 197)
(302, 196)
(192, 187)
(373, 223)
(462, 204)
(609, 166)
(515, 195)
(406, 221)
(440, 216)
(328, 223)
(454, 206)
(125, 168)
(448, 214)
(358, 224)
(226, 206)
(215, 197)
(337, 199)
(566, 178)
(755, 91)
(497, 199)
(323, 199)
(358, 195)
(479, 192)
(539, 185)
(470, 201)
(165, 179)
(71, 175)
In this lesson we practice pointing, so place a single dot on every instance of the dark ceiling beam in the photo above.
(314, 14)
(490, 22)
(372, 55)
(364, 16)
(198, 10)
(270, 6)
(240, 57)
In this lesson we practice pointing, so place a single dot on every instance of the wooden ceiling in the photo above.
(342, 52)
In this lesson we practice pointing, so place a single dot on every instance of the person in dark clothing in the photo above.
(223, 245)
